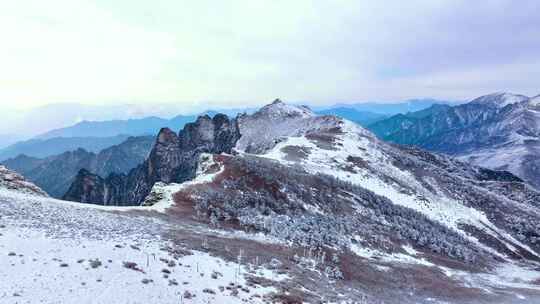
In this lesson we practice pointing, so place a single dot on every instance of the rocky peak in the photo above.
(173, 159)
(280, 110)
(13, 181)
(91, 188)
(499, 100)
(273, 122)
(166, 150)
(166, 136)
(167, 141)
(198, 133)
(534, 102)
(208, 133)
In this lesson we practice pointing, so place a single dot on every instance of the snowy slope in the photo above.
(500, 100)
(451, 193)
(61, 271)
(355, 142)
(59, 252)
(342, 149)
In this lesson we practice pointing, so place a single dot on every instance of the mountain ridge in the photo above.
(55, 173)
(47, 147)
(498, 131)
(134, 127)
(172, 159)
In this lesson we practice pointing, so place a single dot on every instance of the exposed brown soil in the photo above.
(324, 140)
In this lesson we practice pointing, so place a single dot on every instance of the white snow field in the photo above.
(57, 252)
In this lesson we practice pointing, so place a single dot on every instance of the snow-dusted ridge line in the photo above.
(501, 99)
(356, 141)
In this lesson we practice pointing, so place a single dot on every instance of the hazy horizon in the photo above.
(26, 123)
(237, 54)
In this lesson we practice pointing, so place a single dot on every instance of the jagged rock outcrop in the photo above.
(13, 181)
(55, 174)
(93, 189)
(172, 159)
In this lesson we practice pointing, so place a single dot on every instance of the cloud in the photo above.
(233, 53)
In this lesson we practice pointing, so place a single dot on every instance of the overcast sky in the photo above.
(238, 53)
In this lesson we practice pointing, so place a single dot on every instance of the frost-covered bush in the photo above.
(318, 210)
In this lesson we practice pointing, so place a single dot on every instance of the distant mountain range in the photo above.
(499, 131)
(368, 113)
(362, 118)
(363, 114)
(393, 108)
(7, 139)
(133, 127)
(47, 147)
(54, 174)
(98, 133)
(28, 124)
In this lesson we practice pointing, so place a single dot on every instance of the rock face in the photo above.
(172, 159)
(91, 188)
(55, 174)
(498, 131)
(13, 181)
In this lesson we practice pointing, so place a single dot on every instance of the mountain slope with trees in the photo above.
(499, 131)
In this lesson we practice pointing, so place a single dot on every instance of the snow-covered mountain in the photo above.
(308, 208)
(499, 131)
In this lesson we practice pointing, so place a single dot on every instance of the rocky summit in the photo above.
(173, 159)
